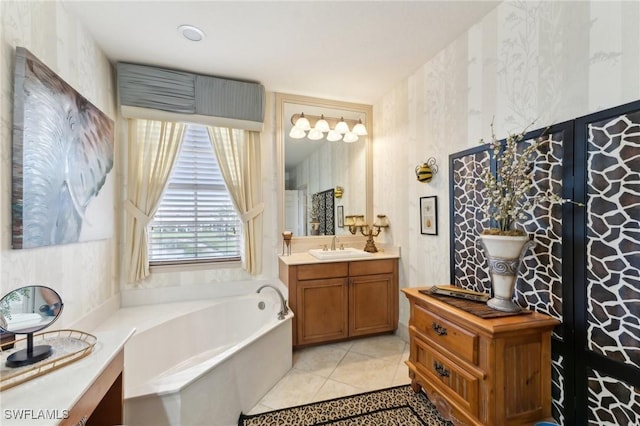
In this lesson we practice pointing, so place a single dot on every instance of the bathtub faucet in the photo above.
(284, 310)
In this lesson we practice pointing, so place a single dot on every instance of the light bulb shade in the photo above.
(350, 137)
(349, 220)
(302, 123)
(381, 221)
(333, 136)
(322, 125)
(359, 129)
(315, 135)
(360, 220)
(342, 127)
(296, 133)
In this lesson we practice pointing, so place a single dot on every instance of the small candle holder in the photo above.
(357, 223)
(286, 243)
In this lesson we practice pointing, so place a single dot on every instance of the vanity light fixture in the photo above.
(334, 129)
(357, 223)
(191, 33)
(359, 129)
(342, 127)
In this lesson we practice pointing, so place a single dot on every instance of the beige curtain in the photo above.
(238, 152)
(151, 152)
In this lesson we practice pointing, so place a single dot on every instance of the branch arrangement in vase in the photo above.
(508, 193)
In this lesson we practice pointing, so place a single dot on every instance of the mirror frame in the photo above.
(367, 110)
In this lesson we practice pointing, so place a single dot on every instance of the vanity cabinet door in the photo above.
(322, 310)
(373, 304)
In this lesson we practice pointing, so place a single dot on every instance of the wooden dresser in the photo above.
(335, 301)
(480, 371)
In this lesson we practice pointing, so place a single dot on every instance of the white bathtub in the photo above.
(202, 363)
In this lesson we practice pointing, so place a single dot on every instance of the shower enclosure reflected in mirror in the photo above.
(27, 310)
(308, 169)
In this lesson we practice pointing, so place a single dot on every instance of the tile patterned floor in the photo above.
(340, 369)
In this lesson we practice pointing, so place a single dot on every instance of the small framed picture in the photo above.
(340, 216)
(429, 215)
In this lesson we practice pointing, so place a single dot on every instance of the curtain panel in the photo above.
(238, 153)
(151, 152)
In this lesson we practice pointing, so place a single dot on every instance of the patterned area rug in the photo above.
(393, 406)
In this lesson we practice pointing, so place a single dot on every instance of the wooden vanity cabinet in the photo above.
(335, 301)
(480, 371)
(102, 404)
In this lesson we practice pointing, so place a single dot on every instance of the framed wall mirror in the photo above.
(315, 161)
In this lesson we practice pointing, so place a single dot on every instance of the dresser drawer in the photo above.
(456, 339)
(451, 380)
(323, 270)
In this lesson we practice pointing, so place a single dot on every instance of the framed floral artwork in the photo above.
(429, 215)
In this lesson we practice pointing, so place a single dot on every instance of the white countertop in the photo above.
(305, 258)
(59, 390)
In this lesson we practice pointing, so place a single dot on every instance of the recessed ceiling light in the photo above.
(191, 33)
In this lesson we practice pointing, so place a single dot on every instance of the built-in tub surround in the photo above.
(203, 362)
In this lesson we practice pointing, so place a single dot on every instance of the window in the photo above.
(196, 220)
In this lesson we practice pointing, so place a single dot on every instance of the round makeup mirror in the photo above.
(27, 310)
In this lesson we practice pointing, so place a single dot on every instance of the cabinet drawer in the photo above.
(450, 379)
(370, 267)
(456, 339)
(323, 270)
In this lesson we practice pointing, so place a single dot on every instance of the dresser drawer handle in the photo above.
(440, 330)
(440, 369)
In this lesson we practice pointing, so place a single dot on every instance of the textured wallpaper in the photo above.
(84, 273)
(525, 61)
(546, 62)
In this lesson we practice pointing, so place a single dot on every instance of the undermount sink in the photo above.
(346, 253)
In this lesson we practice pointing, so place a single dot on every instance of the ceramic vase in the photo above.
(315, 227)
(505, 254)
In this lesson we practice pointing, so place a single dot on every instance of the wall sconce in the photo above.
(426, 171)
(338, 192)
(334, 129)
(357, 223)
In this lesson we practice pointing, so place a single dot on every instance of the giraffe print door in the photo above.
(607, 267)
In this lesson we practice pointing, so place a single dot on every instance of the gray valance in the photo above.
(152, 88)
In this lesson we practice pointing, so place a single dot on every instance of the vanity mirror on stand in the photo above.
(25, 311)
(316, 160)
(28, 311)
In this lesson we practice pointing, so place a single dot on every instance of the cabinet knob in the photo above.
(440, 330)
(440, 369)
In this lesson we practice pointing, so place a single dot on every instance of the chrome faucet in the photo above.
(284, 310)
(333, 243)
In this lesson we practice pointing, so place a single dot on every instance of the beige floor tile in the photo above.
(332, 389)
(259, 409)
(352, 367)
(295, 388)
(401, 377)
(321, 360)
(364, 372)
(389, 347)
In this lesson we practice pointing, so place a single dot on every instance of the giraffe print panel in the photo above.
(612, 402)
(613, 239)
(539, 284)
(468, 190)
(557, 387)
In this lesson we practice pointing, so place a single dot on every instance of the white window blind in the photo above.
(196, 219)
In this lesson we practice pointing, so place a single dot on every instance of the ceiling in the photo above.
(350, 50)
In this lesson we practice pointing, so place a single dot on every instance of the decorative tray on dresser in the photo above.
(480, 371)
